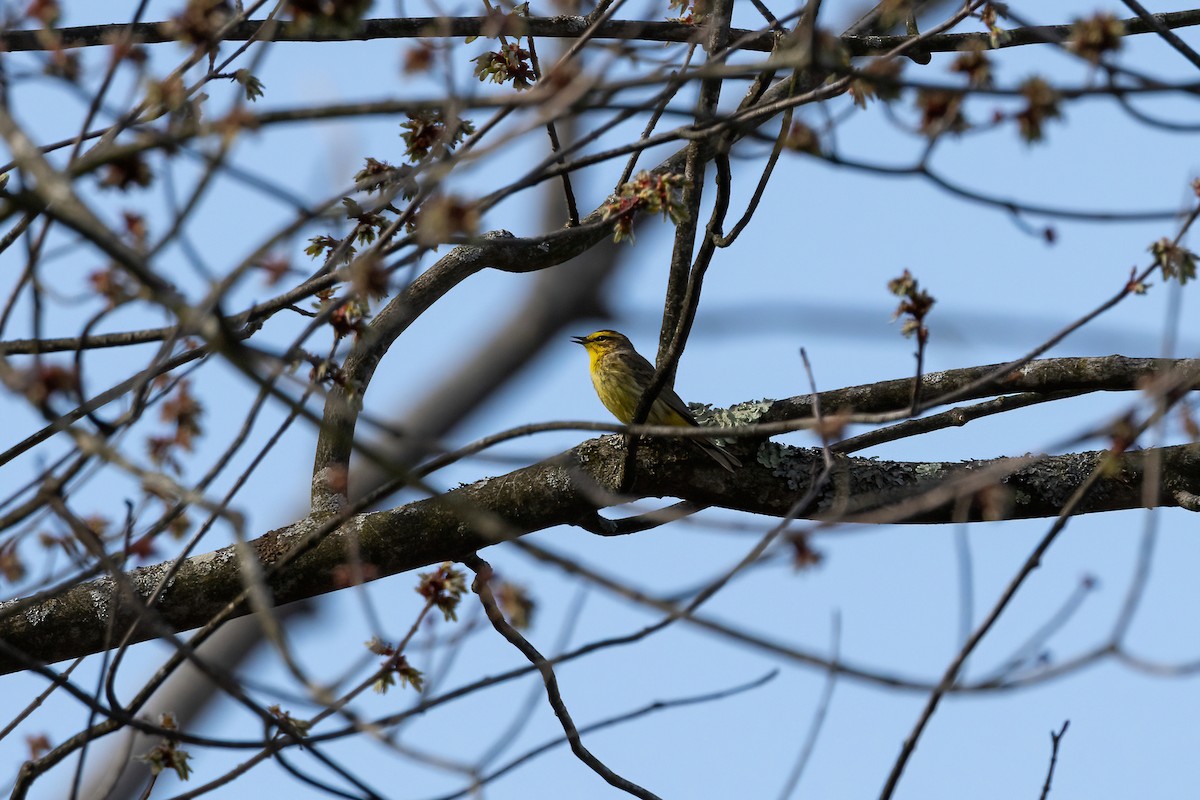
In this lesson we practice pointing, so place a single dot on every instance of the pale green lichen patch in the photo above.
(1053, 481)
(746, 413)
(770, 455)
(793, 464)
(880, 477)
(40, 612)
(146, 580)
(100, 596)
(559, 480)
(932, 469)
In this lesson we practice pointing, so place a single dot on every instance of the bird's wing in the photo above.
(676, 404)
(645, 371)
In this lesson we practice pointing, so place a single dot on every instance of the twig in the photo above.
(951, 674)
(483, 573)
(1055, 738)
(818, 719)
(953, 418)
(521, 719)
(685, 276)
(555, 146)
(1169, 36)
(1029, 649)
(602, 526)
(658, 705)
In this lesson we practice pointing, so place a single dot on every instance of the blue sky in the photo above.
(810, 271)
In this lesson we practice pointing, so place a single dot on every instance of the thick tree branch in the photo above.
(568, 488)
(1106, 373)
(500, 251)
(566, 27)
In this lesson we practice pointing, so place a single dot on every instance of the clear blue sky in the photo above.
(811, 271)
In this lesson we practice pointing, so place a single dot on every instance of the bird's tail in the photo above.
(719, 454)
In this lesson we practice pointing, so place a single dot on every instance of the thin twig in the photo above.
(818, 718)
(555, 146)
(1055, 739)
(951, 674)
(650, 708)
(483, 574)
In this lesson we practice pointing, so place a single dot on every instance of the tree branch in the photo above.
(560, 491)
(563, 27)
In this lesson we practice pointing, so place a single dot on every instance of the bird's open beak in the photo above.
(579, 339)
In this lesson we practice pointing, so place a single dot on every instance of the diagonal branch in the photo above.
(483, 574)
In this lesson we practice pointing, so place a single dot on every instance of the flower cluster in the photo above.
(647, 192)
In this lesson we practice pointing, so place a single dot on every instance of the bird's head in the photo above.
(601, 342)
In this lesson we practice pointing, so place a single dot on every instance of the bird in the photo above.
(621, 375)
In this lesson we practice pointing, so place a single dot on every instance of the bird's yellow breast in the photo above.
(620, 392)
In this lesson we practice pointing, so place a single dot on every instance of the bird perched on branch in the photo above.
(621, 376)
